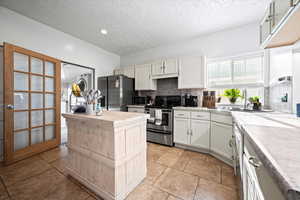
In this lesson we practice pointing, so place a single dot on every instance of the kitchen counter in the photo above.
(107, 152)
(212, 110)
(276, 139)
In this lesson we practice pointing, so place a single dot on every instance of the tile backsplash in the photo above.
(169, 86)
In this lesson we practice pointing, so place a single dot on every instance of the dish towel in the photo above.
(158, 117)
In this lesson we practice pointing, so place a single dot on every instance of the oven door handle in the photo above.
(160, 132)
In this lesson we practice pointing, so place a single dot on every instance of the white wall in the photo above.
(25, 32)
(230, 42)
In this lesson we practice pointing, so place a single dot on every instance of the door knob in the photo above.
(10, 106)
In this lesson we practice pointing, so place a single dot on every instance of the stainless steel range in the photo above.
(160, 124)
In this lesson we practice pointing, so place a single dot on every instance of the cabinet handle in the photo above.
(191, 132)
(254, 162)
(188, 132)
(180, 114)
(230, 143)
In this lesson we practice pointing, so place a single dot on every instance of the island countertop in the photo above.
(276, 139)
(114, 117)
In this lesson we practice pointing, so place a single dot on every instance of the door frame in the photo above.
(11, 156)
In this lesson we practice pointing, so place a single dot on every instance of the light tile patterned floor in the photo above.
(173, 174)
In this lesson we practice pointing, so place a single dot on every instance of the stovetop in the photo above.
(165, 102)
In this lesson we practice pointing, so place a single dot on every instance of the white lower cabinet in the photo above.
(200, 133)
(258, 183)
(181, 130)
(221, 135)
(191, 132)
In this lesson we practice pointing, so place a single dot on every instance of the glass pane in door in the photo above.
(37, 118)
(49, 84)
(20, 81)
(49, 116)
(37, 135)
(21, 62)
(49, 133)
(49, 100)
(21, 120)
(36, 100)
(49, 69)
(36, 83)
(20, 101)
(36, 66)
(21, 140)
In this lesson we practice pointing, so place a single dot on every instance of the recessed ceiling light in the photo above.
(103, 31)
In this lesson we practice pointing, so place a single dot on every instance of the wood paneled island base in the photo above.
(108, 152)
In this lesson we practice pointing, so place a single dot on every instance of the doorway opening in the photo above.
(73, 73)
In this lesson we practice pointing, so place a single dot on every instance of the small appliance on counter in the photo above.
(141, 100)
(209, 99)
(189, 101)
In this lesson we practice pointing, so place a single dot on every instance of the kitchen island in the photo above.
(108, 152)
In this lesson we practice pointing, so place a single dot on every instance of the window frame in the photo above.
(243, 57)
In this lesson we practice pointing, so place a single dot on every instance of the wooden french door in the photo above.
(32, 103)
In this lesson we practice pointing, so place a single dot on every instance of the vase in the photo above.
(89, 109)
(232, 100)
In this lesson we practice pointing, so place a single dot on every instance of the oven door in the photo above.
(166, 121)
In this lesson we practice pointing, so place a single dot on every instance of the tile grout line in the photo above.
(196, 188)
(159, 176)
(1, 180)
(29, 177)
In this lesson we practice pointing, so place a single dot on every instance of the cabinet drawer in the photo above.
(200, 115)
(181, 114)
(225, 119)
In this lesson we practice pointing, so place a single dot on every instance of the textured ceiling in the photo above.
(135, 25)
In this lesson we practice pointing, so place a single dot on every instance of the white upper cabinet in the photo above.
(143, 79)
(280, 26)
(165, 69)
(171, 66)
(157, 68)
(191, 73)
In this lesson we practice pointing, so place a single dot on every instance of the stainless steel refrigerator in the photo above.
(117, 92)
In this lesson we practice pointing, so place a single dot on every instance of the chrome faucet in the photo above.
(245, 98)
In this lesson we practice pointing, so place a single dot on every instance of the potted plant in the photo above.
(232, 95)
(255, 102)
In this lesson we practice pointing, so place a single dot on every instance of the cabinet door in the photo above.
(157, 68)
(280, 10)
(171, 66)
(265, 26)
(191, 73)
(143, 80)
(200, 133)
(181, 128)
(221, 135)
